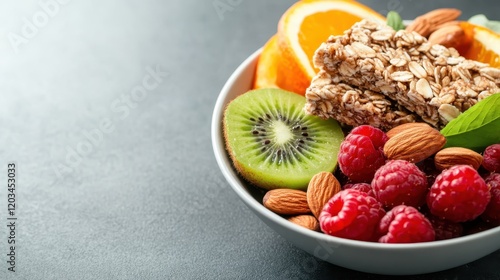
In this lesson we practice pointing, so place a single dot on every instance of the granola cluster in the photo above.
(375, 75)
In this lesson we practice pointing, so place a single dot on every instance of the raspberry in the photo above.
(400, 182)
(351, 214)
(405, 224)
(492, 213)
(459, 194)
(491, 158)
(377, 136)
(358, 158)
(364, 187)
(445, 229)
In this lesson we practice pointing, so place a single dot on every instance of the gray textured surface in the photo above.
(145, 200)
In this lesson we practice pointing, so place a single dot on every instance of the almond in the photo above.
(414, 144)
(420, 25)
(397, 129)
(449, 23)
(448, 36)
(321, 188)
(286, 201)
(307, 221)
(449, 157)
(427, 23)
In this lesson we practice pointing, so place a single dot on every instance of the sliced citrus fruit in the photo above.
(302, 29)
(265, 73)
(484, 45)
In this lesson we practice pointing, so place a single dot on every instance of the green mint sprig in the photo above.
(395, 21)
(484, 21)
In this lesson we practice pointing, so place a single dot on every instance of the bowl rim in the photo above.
(235, 181)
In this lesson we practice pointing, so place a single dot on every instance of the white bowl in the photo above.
(371, 257)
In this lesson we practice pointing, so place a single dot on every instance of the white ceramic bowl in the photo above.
(371, 257)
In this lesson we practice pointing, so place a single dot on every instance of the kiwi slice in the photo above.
(273, 143)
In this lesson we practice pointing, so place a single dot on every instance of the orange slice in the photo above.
(302, 29)
(265, 73)
(484, 45)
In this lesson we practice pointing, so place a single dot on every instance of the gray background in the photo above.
(144, 199)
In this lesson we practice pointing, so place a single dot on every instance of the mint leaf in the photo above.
(476, 128)
(482, 20)
(395, 21)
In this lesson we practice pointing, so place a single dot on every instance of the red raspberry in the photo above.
(358, 158)
(351, 214)
(491, 158)
(492, 212)
(400, 182)
(364, 187)
(445, 229)
(459, 194)
(377, 136)
(404, 224)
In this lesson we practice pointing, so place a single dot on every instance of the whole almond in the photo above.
(397, 129)
(307, 221)
(427, 23)
(286, 201)
(321, 188)
(420, 25)
(448, 36)
(414, 144)
(449, 23)
(449, 157)
(442, 15)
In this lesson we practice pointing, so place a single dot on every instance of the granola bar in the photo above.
(352, 106)
(431, 81)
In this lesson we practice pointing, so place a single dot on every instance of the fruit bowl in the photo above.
(370, 257)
